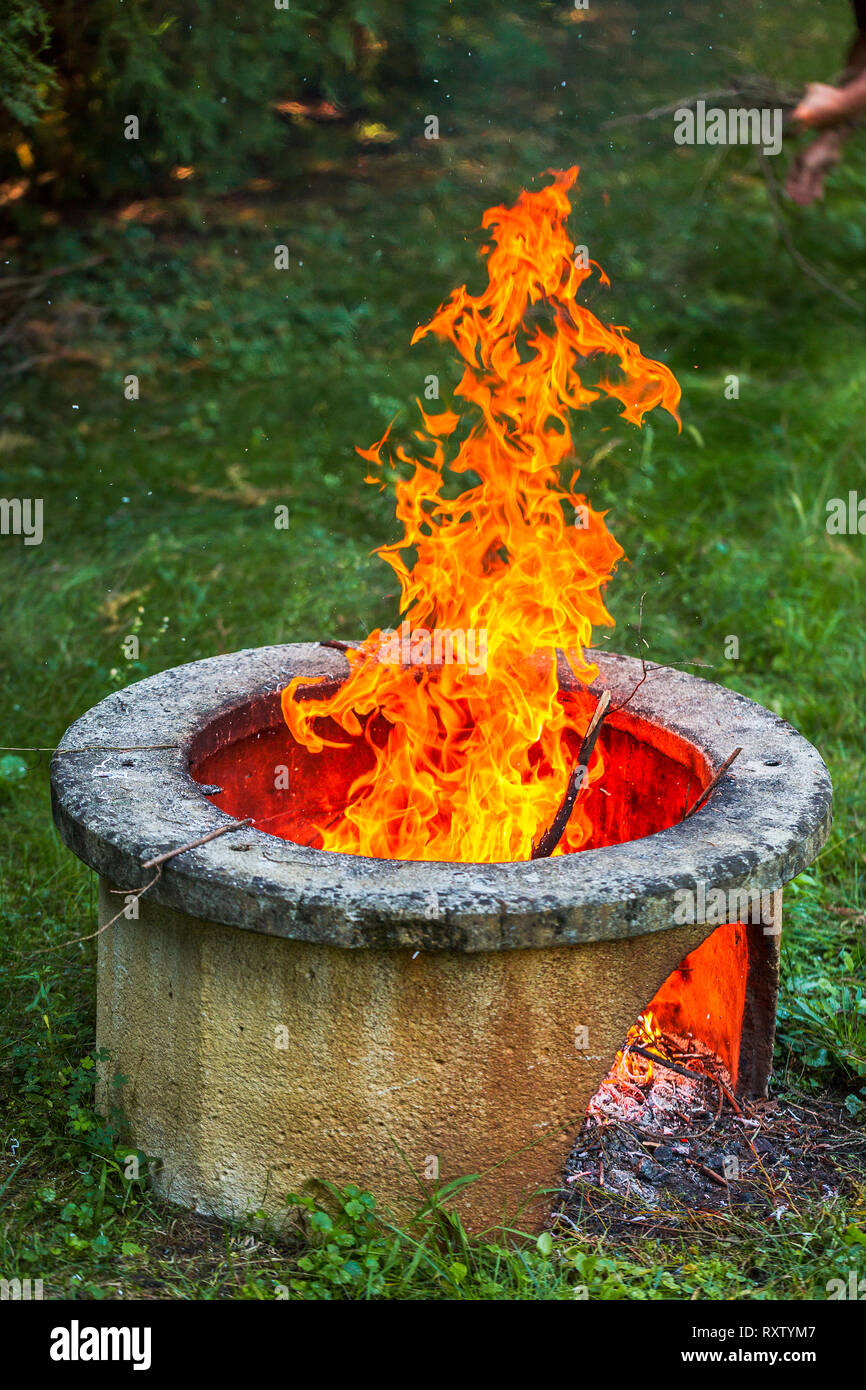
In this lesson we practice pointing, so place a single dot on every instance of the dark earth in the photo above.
(656, 1152)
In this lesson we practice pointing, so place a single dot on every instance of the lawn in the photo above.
(255, 386)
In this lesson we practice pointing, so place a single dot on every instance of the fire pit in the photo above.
(403, 903)
(284, 1013)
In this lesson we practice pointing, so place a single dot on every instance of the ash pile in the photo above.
(665, 1141)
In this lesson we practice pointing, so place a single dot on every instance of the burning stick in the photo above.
(686, 1071)
(551, 838)
(665, 1062)
(712, 785)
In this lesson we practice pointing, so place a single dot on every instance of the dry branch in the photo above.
(684, 1071)
(760, 92)
(155, 863)
(713, 784)
(551, 837)
(813, 272)
(194, 844)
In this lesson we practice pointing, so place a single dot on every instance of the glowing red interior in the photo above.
(651, 775)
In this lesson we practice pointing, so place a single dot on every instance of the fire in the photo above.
(645, 1032)
(473, 742)
(629, 1085)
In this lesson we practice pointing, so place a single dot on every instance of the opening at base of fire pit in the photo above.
(666, 1141)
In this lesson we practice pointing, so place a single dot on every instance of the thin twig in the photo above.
(30, 287)
(759, 93)
(76, 941)
(14, 281)
(93, 748)
(194, 844)
(663, 1062)
(640, 654)
(684, 1071)
(551, 837)
(713, 784)
(138, 893)
(40, 359)
(708, 1172)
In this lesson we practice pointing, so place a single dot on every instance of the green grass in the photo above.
(255, 387)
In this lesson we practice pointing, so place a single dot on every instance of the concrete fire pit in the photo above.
(284, 1013)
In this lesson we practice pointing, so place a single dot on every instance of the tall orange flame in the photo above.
(472, 741)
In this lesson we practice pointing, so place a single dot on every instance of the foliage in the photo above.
(822, 1013)
(205, 79)
(25, 77)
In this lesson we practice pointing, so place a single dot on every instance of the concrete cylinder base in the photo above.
(257, 1063)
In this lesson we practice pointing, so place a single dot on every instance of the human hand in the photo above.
(822, 106)
(805, 181)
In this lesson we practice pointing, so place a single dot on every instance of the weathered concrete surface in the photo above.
(257, 1062)
(762, 825)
